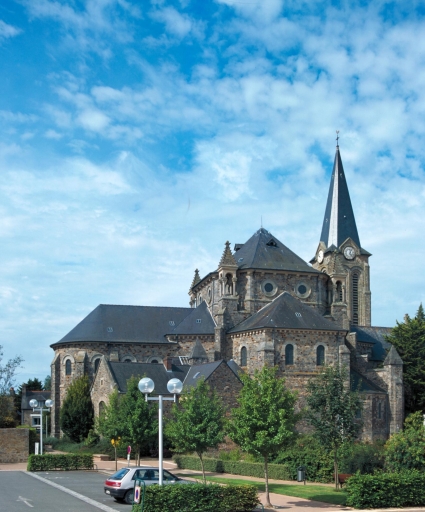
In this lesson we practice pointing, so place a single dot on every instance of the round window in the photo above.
(302, 288)
(268, 287)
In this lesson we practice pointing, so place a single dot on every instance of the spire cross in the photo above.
(337, 137)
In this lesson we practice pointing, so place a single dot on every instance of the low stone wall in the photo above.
(14, 445)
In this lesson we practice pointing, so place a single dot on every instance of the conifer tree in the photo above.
(408, 338)
(76, 413)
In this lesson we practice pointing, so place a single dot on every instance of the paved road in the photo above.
(57, 491)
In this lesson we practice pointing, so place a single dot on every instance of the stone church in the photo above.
(262, 305)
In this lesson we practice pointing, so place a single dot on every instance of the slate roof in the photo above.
(265, 251)
(205, 370)
(41, 396)
(393, 357)
(126, 324)
(236, 369)
(366, 385)
(157, 372)
(191, 323)
(375, 336)
(339, 222)
(287, 312)
(198, 351)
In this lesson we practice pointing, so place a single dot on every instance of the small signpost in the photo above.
(128, 455)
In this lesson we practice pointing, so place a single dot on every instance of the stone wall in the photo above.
(226, 384)
(14, 445)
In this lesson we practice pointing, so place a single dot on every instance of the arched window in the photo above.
(320, 355)
(68, 369)
(289, 354)
(101, 407)
(96, 364)
(244, 356)
(355, 297)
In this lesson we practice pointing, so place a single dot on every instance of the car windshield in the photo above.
(152, 474)
(119, 475)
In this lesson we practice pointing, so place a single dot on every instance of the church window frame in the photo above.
(289, 354)
(302, 290)
(128, 358)
(320, 355)
(68, 367)
(269, 287)
(155, 360)
(355, 297)
(102, 407)
(244, 356)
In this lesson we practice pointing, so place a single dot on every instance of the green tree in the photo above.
(8, 372)
(332, 410)
(110, 424)
(76, 413)
(32, 385)
(197, 422)
(406, 449)
(139, 417)
(8, 418)
(47, 386)
(409, 340)
(265, 420)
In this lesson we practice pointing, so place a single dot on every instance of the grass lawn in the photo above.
(309, 492)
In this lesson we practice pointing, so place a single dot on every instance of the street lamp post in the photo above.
(35, 404)
(174, 386)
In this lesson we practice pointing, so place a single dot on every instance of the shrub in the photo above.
(255, 469)
(34, 437)
(202, 498)
(67, 462)
(381, 490)
(363, 457)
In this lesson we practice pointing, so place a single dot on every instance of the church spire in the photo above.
(339, 222)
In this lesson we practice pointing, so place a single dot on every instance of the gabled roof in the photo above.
(361, 383)
(339, 222)
(393, 357)
(127, 324)
(204, 371)
(198, 351)
(236, 369)
(375, 336)
(265, 251)
(40, 396)
(198, 321)
(286, 312)
(121, 372)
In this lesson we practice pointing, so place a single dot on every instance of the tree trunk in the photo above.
(336, 467)
(266, 479)
(202, 467)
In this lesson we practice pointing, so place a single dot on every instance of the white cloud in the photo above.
(177, 24)
(7, 31)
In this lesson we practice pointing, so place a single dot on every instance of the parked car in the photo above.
(120, 485)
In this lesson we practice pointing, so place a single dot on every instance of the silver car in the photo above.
(120, 485)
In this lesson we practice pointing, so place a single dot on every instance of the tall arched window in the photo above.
(96, 364)
(102, 406)
(68, 369)
(320, 355)
(355, 297)
(289, 354)
(244, 356)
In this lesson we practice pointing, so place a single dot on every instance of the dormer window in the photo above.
(198, 320)
(272, 243)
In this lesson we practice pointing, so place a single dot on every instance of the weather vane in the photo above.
(337, 137)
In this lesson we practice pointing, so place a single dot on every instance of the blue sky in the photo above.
(138, 136)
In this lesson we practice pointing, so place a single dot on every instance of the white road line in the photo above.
(96, 504)
(26, 501)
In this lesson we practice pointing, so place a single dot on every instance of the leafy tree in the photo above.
(406, 449)
(332, 409)
(32, 385)
(8, 417)
(265, 420)
(139, 417)
(8, 372)
(110, 424)
(197, 422)
(76, 414)
(409, 340)
(47, 386)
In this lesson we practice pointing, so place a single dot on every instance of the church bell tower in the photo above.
(341, 256)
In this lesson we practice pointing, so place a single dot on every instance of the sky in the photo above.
(137, 136)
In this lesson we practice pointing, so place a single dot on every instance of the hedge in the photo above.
(256, 469)
(199, 497)
(382, 490)
(66, 462)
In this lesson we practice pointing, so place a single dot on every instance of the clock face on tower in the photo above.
(320, 256)
(349, 253)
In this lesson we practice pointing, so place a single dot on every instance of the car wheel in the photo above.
(129, 496)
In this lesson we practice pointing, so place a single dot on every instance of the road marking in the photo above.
(26, 501)
(96, 504)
